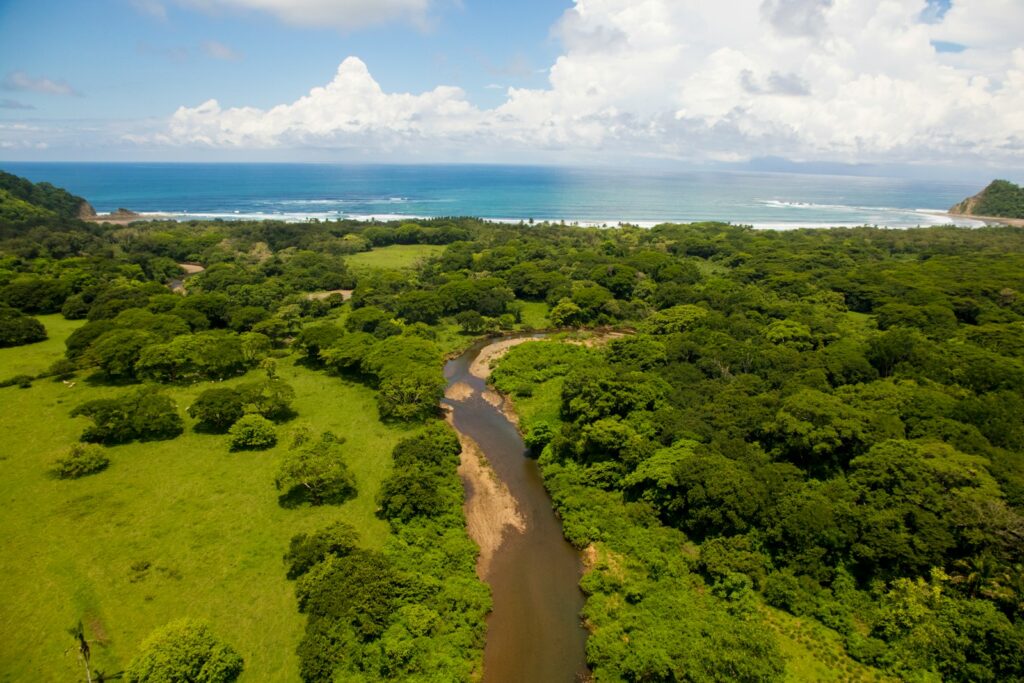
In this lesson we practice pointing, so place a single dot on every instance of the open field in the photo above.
(35, 358)
(394, 257)
(171, 529)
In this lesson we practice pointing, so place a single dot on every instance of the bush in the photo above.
(81, 460)
(21, 381)
(184, 651)
(252, 433)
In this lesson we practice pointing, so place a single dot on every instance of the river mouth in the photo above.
(534, 633)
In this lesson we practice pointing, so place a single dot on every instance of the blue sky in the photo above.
(129, 61)
(932, 86)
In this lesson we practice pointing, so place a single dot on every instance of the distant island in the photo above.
(1000, 200)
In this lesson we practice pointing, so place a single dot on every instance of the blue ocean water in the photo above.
(590, 196)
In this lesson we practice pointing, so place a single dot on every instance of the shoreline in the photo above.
(991, 221)
(937, 218)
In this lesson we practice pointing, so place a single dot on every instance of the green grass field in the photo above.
(394, 257)
(35, 358)
(171, 529)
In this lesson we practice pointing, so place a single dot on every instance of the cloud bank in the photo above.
(839, 80)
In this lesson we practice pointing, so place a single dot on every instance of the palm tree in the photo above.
(84, 652)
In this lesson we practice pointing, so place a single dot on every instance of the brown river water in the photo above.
(534, 634)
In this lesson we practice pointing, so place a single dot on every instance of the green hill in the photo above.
(1001, 199)
(42, 195)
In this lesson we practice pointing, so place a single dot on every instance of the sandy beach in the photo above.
(990, 220)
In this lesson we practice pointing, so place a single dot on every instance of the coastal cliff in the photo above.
(1001, 199)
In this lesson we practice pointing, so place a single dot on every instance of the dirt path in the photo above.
(346, 294)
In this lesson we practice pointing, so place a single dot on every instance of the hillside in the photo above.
(1001, 199)
(44, 196)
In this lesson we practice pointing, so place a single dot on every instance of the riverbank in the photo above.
(534, 631)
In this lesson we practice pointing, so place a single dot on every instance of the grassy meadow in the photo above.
(393, 257)
(171, 529)
(35, 358)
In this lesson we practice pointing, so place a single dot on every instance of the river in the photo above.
(534, 633)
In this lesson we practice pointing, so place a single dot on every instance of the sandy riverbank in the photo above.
(491, 510)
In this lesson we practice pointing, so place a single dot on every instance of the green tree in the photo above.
(252, 433)
(17, 329)
(315, 472)
(217, 409)
(184, 651)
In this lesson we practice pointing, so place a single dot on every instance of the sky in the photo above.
(919, 86)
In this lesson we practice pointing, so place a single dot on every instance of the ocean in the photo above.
(297, 192)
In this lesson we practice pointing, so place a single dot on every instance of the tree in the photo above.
(314, 472)
(145, 414)
(471, 322)
(315, 338)
(252, 433)
(184, 651)
(217, 409)
(117, 352)
(410, 397)
(306, 550)
(566, 314)
(17, 329)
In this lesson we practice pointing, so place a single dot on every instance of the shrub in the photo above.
(184, 651)
(21, 381)
(252, 433)
(81, 460)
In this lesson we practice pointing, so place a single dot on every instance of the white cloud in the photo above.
(216, 50)
(341, 14)
(152, 8)
(351, 109)
(838, 80)
(21, 81)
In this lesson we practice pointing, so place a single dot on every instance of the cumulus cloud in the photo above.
(342, 14)
(21, 81)
(838, 80)
(351, 109)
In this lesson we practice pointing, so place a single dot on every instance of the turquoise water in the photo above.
(591, 196)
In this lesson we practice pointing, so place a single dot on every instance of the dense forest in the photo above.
(816, 423)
